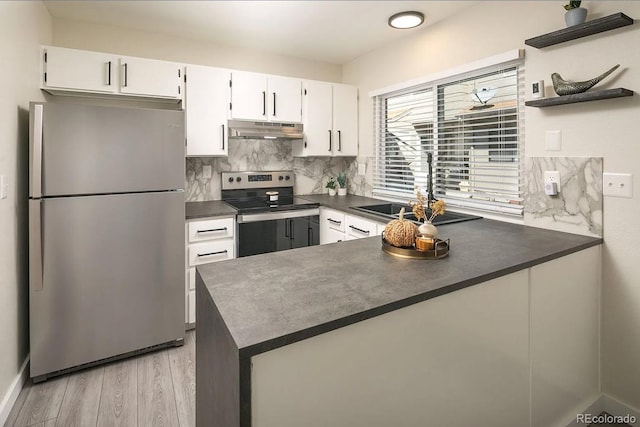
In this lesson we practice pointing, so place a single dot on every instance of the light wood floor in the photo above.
(155, 389)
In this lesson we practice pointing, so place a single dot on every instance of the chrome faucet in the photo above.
(430, 196)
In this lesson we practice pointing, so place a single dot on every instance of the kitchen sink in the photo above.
(391, 211)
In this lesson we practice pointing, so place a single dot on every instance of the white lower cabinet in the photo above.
(331, 226)
(336, 226)
(358, 227)
(208, 240)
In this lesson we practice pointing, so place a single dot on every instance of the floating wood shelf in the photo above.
(580, 97)
(599, 25)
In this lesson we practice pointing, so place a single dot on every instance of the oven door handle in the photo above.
(271, 216)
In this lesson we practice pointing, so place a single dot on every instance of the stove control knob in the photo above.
(280, 178)
(238, 179)
(230, 179)
(287, 177)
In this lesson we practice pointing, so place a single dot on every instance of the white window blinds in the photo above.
(471, 129)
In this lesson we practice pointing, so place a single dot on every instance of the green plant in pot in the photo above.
(574, 14)
(342, 183)
(331, 186)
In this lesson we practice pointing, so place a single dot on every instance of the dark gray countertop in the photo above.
(212, 208)
(271, 300)
(340, 202)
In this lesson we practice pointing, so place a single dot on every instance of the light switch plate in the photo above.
(4, 185)
(362, 169)
(553, 140)
(206, 171)
(617, 184)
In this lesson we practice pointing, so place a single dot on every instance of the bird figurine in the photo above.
(564, 87)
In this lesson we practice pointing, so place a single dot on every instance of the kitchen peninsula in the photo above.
(343, 334)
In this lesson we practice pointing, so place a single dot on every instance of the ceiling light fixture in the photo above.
(405, 20)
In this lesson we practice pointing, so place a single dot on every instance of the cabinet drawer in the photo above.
(359, 227)
(332, 236)
(211, 229)
(333, 219)
(215, 250)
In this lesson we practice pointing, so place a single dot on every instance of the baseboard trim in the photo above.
(13, 392)
(615, 407)
(610, 405)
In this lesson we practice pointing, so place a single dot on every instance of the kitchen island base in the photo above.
(520, 349)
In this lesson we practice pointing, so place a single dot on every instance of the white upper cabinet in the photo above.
(150, 77)
(79, 70)
(317, 120)
(73, 71)
(265, 98)
(206, 110)
(248, 96)
(345, 120)
(330, 119)
(285, 99)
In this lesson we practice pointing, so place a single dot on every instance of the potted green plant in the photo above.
(342, 183)
(574, 14)
(331, 186)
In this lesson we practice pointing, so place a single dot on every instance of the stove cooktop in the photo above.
(263, 205)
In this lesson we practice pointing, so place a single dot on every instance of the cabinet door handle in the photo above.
(329, 139)
(264, 103)
(359, 229)
(334, 221)
(291, 229)
(274, 104)
(222, 126)
(339, 141)
(212, 253)
(211, 230)
(109, 73)
(125, 75)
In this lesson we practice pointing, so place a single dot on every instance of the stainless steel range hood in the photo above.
(245, 129)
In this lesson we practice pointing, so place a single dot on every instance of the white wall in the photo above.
(105, 38)
(608, 129)
(23, 27)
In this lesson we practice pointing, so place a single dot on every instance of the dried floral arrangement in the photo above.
(438, 207)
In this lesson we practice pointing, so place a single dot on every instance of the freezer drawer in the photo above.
(86, 149)
(111, 277)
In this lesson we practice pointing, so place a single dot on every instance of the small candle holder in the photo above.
(425, 242)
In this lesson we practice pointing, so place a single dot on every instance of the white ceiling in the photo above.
(328, 31)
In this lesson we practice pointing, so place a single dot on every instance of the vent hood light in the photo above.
(404, 20)
(246, 129)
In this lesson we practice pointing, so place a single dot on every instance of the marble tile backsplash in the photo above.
(260, 155)
(578, 206)
(576, 209)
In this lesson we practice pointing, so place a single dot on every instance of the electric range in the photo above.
(270, 217)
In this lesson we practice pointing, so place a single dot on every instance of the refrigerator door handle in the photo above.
(36, 256)
(36, 150)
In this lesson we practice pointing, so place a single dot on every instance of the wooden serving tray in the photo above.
(440, 250)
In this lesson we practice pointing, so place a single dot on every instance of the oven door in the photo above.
(277, 231)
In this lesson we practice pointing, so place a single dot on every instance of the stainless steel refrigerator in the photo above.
(106, 233)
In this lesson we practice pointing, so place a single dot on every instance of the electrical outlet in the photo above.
(552, 176)
(617, 184)
(206, 171)
(551, 183)
(362, 168)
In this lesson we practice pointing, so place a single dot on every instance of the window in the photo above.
(465, 131)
